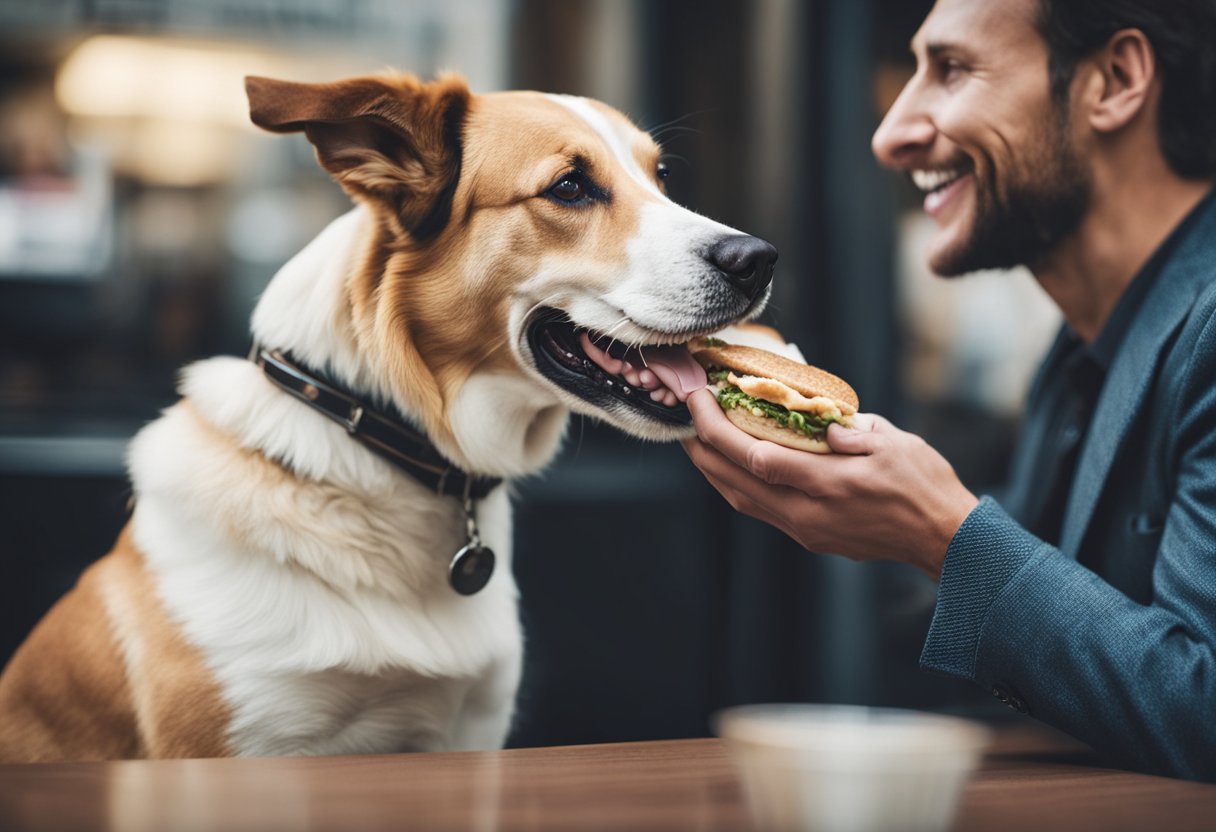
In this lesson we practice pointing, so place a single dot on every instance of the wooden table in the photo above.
(1028, 781)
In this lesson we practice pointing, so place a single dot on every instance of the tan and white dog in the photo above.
(283, 589)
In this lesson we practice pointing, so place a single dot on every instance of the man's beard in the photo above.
(1044, 202)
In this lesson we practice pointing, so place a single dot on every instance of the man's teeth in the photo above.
(932, 180)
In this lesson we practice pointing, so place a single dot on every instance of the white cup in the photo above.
(840, 768)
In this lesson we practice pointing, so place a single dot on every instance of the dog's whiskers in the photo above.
(608, 333)
(668, 126)
(540, 304)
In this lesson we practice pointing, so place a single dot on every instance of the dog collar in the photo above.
(390, 437)
(472, 566)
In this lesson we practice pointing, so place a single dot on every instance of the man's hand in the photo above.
(883, 495)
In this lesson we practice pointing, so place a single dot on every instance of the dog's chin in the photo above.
(552, 341)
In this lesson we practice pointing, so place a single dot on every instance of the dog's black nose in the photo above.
(746, 261)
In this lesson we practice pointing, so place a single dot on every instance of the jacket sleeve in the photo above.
(1045, 633)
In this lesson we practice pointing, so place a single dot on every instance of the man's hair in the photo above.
(1183, 36)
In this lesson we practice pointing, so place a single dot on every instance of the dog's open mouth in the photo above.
(652, 380)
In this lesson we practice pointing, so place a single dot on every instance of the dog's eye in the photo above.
(570, 188)
(662, 171)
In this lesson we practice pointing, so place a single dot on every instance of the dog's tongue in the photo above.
(676, 368)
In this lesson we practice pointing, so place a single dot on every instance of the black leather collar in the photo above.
(390, 437)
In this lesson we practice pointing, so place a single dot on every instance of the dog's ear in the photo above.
(390, 138)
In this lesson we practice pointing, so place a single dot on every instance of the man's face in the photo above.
(977, 131)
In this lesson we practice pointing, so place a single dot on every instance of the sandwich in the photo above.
(772, 397)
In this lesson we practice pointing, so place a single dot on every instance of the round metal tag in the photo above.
(471, 569)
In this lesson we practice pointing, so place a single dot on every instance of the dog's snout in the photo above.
(747, 262)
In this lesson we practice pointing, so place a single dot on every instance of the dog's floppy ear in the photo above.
(391, 138)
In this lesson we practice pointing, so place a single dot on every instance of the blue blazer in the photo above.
(1122, 656)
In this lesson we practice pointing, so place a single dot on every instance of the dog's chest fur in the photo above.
(312, 575)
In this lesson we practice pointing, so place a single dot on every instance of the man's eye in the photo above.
(570, 188)
(952, 69)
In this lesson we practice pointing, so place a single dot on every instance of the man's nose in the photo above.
(906, 131)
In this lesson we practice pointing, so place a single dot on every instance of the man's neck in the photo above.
(1089, 271)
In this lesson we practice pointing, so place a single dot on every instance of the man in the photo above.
(1077, 137)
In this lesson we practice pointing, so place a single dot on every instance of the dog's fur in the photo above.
(282, 590)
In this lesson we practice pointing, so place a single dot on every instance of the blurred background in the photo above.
(141, 216)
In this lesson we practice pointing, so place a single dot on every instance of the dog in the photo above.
(309, 566)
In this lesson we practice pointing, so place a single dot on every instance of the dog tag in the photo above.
(473, 565)
(471, 568)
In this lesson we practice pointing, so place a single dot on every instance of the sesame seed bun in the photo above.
(808, 380)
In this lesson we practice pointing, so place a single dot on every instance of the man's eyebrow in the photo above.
(938, 48)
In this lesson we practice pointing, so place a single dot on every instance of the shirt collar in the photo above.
(1106, 345)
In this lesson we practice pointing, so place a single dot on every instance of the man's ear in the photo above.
(1128, 68)
(391, 138)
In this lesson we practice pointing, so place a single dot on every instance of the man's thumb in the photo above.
(857, 439)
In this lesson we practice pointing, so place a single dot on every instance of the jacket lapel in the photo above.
(1124, 394)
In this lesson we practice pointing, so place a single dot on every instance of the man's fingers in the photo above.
(715, 429)
(850, 441)
(712, 463)
(727, 476)
(701, 403)
(803, 470)
(875, 423)
(869, 432)
(772, 464)
(866, 421)
(745, 504)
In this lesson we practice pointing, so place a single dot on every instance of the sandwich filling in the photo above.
(772, 399)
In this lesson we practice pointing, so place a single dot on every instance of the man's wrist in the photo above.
(947, 527)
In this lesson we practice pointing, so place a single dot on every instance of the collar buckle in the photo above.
(356, 416)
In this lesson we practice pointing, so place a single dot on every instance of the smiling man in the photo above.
(1077, 137)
